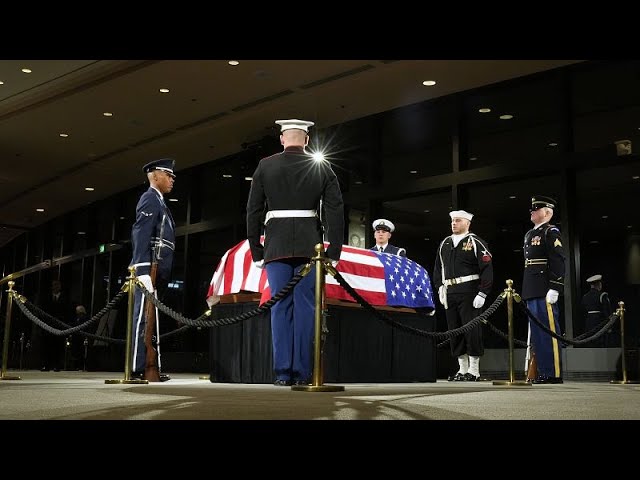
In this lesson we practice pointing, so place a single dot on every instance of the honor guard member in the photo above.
(290, 186)
(597, 308)
(542, 284)
(382, 230)
(153, 234)
(463, 273)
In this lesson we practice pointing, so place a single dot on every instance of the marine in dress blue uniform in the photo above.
(383, 229)
(290, 186)
(154, 229)
(542, 284)
(463, 274)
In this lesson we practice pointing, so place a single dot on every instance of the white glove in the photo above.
(146, 281)
(259, 264)
(552, 296)
(334, 263)
(478, 302)
(441, 294)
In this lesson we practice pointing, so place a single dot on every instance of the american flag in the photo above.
(380, 278)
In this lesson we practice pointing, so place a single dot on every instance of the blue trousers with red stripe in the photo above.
(292, 320)
(547, 349)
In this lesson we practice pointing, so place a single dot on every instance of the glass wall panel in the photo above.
(516, 122)
(608, 229)
(416, 141)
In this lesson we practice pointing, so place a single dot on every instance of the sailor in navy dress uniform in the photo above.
(463, 274)
(382, 230)
(154, 229)
(597, 308)
(290, 186)
(542, 284)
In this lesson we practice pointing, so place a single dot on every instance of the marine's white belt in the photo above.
(288, 214)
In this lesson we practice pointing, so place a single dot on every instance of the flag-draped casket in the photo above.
(380, 278)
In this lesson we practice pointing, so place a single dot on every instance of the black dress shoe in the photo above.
(543, 379)
(44, 369)
(282, 383)
(164, 377)
(470, 377)
(137, 376)
(301, 382)
(458, 377)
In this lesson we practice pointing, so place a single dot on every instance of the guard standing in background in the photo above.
(382, 230)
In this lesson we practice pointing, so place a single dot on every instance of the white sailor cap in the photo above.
(294, 123)
(383, 224)
(594, 278)
(461, 214)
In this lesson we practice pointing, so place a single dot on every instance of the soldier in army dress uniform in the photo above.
(597, 308)
(153, 232)
(290, 186)
(542, 284)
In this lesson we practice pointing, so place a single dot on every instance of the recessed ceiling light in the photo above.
(173, 199)
(108, 114)
(26, 70)
(429, 83)
(426, 211)
(512, 197)
(517, 249)
(82, 233)
(226, 175)
(635, 177)
(473, 159)
(427, 239)
(629, 226)
(413, 171)
(358, 182)
(553, 144)
(605, 216)
(248, 179)
(234, 62)
(594, 241)
(484, 110)
(164, 90)
(64, 135)
(39, 209)
(506, 117)
(89, 189)
(504, 229)
(121, 218)
(1, 82)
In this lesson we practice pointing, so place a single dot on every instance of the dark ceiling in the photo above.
(212, 108)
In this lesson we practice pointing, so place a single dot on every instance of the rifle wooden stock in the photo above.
(532, 373)
(151, 370)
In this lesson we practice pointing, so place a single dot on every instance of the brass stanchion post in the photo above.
(510, 293)
(317, 347)
(131, 282)
(7, 335)
(623, 349)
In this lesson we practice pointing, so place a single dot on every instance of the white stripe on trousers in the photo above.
(137, 330)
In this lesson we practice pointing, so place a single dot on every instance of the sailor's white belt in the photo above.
(288, 214)
(535, 261)
(457, 280)
(593, 311)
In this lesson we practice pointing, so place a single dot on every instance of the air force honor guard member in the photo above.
(382, 230)
(153, 232)
(542, 284)
(291, 185)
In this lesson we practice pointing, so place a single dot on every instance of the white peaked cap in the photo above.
(294, 123)
(383, 224)
(594, 278)
(461, 214)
